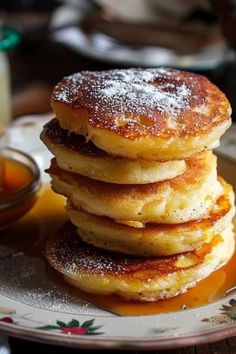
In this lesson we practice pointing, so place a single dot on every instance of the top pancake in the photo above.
(156, 114)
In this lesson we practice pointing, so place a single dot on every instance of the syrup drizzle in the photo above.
(219, 284)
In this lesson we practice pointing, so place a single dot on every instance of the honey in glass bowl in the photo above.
(20, 181)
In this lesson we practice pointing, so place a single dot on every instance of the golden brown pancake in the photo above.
(155, 239)
(74, 154)
(187, 197)
(156, 114)
(144, 279)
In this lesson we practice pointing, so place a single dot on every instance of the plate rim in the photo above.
(159, 343)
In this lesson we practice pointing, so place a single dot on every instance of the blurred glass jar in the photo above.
(9, 38)
(2, 159)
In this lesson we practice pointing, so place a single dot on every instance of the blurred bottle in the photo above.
(5, 103)
(8, 39)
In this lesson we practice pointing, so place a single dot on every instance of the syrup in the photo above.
(213, 288)
(16, 176)
(29, 235)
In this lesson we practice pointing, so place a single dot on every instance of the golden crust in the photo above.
(187, 197)
(77, 91)
(158, 110)
(148, 279)
(155, 239)
(74, 154)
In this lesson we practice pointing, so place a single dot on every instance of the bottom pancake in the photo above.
(144, 279)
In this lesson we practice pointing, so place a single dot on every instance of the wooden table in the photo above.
(227, 346)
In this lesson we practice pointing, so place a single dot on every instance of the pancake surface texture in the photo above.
(155, 239)
(144, 279)
(155, 114)
(74, 154)
(189, 196)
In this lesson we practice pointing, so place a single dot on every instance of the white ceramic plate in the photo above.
(103, 48)
(33, 305)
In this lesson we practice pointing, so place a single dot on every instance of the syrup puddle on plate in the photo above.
(220, 283)
(29, 236)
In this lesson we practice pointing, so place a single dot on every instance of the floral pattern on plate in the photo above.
(227, 314)
(71, 327)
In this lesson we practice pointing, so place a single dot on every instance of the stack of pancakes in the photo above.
(149, 217)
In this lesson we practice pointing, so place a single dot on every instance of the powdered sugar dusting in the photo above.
(132, 92)
(27, 280)
(137, 103)
(137, 89)
(70, 255)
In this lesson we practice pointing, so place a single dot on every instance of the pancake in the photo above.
(154, 240)
(74, 154)
(187, 197)
(144, 279)
(156, 114)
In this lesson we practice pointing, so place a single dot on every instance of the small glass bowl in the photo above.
(17, 203)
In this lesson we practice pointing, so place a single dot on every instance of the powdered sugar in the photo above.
(27, 280)
(139, 90)
(69, 254)
(132, 91)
